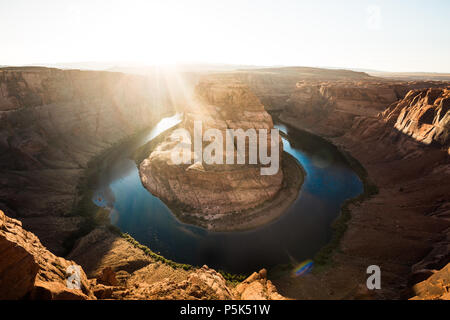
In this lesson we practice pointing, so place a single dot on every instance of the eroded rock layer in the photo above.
(273, 86)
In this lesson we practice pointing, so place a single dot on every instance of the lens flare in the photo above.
(303, 268)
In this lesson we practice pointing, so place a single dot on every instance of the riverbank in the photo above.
(263, 214)
(89, 214)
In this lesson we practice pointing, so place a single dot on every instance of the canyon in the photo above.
(53, 123)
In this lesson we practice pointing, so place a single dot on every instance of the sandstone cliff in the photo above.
(208, 192)
(52, 123)
(405, 227)
(273, 86)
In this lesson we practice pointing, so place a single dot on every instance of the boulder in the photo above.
(29, 270)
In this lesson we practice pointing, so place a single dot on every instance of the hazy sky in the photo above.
(396, 35)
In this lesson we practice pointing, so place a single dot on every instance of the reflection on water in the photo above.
(297, 235)
(163, 125)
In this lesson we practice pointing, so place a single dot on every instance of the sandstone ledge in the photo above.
(28, 270)
(403, 229)
(122, 271)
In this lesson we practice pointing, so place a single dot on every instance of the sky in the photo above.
(396, 35)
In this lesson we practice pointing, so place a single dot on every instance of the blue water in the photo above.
(297, 235)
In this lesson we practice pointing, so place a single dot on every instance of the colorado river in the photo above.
(297, 235)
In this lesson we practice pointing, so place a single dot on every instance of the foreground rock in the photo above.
(52, 123)
(274, 86)
(404, 229)
(204, 193)
(423, 115)
(29, 270)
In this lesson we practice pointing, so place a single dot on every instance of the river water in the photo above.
(297, 235)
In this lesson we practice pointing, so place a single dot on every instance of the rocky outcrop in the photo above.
(205, 191)
(52, 123)
(257, 287)
(273, 86)
(423, 115)
(29, 270)
(203, 283)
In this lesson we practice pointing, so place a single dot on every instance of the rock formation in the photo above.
(257, 287)
(210, 191)
(423, 115)
(330, 107)
(436, 287)
(404, 228)
(29, 271)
